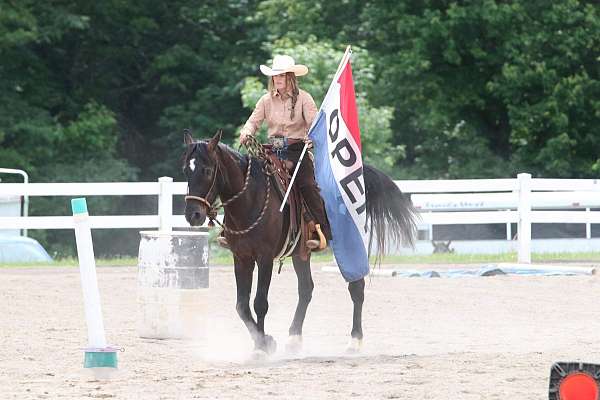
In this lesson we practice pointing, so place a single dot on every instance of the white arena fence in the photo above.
(440, 202)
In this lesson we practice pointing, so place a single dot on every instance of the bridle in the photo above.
(212, 209)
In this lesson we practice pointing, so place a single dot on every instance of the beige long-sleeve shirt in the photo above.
(275, 109)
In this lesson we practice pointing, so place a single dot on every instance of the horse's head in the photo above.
(201, 168)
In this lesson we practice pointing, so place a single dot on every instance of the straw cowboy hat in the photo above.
(282, 64)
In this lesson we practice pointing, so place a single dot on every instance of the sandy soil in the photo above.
(468, 338)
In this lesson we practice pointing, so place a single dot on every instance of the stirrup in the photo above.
(222, 241)
(320, 244)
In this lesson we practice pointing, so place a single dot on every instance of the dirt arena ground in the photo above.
(467, 338)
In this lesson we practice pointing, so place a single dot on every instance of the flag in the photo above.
(339, 173)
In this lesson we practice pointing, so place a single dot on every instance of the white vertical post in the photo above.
(26, 197)
(588, 226)
(524, 226)
(87, 271)
(430, 229)
(97, 355)
(508, 229)
(165, 203)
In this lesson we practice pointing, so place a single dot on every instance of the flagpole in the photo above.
(339, 68)
(335, 77)
(337, 73)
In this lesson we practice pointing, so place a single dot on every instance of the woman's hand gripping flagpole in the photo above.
(306, 144)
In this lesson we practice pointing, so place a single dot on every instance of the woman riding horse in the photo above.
(254, 226)
(289, 111)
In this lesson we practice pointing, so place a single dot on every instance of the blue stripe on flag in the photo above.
(347, 244)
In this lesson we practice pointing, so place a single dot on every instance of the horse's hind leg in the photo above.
(357, 293)
(261, 306)
(243, 279)
(305, 289)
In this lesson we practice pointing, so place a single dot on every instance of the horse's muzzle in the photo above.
(194, 215)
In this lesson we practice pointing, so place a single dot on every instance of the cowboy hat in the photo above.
(283, 64)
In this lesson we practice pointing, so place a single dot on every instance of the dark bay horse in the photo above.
(256, 229)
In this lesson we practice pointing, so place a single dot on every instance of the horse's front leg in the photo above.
(261, 306)
(243, 278)
(357, 293)
(305, 289)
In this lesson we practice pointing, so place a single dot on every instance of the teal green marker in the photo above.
(100, 358)
(79, 206)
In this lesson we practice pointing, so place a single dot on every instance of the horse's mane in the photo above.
(240, 159)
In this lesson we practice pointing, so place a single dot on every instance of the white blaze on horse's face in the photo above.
(193, 164)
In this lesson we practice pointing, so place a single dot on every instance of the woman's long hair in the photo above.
(292, 86)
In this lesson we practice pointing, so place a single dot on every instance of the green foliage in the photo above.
(83, 151)
(333, 21)
(522, 76)
(551, 87)
(456, 153)
(100, 91)
(95, 91)
(92, 133)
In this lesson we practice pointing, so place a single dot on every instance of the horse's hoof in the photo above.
(294, 344)
(270, 345)
(354, 347)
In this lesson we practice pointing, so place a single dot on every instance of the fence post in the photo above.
(524, 226)
(165, 203)
(508, 229)
(430, 229)
(588, 226)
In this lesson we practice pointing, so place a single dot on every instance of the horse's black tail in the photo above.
(390, 213)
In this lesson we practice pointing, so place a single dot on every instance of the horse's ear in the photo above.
(187, 138)
(212, 144)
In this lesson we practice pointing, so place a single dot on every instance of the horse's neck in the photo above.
(235, 170)
(234, 175)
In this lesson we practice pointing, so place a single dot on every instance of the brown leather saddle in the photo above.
(301, 228)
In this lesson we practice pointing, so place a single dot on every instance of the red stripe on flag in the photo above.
(348, 103)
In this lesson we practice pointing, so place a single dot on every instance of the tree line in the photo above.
(100, 91)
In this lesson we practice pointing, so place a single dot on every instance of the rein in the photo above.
(212, 210)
